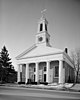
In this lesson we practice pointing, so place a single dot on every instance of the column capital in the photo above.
(61, 60)
(37, 62)
(48, 61)
(27, 64)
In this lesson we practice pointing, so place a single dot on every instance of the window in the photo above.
(56, 71)
(45, 27)
(44, 68)
(44, 77)
(41, 25)
(34, 69)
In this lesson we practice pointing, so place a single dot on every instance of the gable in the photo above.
(25, 52)
(38, 51)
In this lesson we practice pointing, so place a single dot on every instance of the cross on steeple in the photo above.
(43, 12)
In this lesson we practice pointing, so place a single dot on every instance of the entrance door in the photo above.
(44, 77)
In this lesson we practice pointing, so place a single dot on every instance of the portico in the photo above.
(43, 72)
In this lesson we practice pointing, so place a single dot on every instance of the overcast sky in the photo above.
(19, 22)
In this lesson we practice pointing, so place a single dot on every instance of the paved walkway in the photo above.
(76, 87)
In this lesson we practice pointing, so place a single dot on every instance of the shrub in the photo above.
(45, 83)
(35, 83)
(21, 82)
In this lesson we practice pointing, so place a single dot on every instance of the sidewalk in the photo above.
(62, 87)
(76, 87)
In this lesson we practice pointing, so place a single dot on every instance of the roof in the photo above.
(38, 51)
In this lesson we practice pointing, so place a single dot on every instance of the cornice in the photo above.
(26, 51)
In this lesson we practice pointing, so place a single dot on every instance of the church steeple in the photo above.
(42, 36)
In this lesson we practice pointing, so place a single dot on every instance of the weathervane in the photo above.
(43, 12)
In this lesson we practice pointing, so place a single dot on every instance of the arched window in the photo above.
(45, 27)
(41, 27)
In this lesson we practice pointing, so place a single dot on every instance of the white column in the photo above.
(61, 72)
(18, 75)
(27, 72)
(48, 72)
(37, 72)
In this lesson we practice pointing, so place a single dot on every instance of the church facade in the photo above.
(42, 62)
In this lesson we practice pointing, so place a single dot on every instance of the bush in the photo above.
(45, 83)
(21, 82)
(29, 81)
(34, 83)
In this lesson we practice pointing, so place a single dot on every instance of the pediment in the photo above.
(26, 52)
(38, 51)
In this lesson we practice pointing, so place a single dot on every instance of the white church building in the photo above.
(42, 62)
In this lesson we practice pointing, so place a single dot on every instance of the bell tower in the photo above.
(42, 36)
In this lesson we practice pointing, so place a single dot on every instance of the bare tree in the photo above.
(75, 55)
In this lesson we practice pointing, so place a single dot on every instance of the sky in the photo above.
(19, 23)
